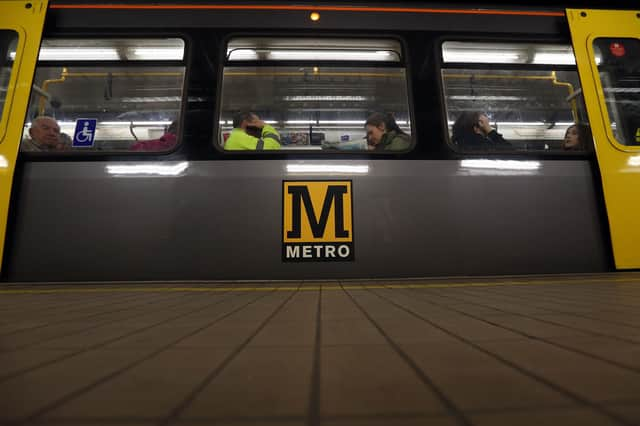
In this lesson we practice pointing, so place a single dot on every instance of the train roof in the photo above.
(457, 4)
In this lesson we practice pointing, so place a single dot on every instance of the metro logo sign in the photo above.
(317, 221)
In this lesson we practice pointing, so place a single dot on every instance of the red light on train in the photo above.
(617, 49)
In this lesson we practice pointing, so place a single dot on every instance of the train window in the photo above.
(531, 104)
(8, 43)
(618, 63)
(316, 94)
(106, 95)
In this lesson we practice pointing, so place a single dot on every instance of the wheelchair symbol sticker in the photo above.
(85, 132)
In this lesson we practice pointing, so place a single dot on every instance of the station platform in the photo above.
(556, 350)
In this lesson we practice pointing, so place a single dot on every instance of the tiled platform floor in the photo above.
(553, 350)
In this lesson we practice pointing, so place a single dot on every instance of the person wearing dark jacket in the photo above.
(472, 130)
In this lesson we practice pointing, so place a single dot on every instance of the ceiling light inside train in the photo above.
(523, 123)
(327, 55)
(135, 123)
(481, 57)
(144, 53)
(78, 54)
(109, 54)
(146, 169)
(327, 168)
(508, 53)
(554, 59)
(303, 98)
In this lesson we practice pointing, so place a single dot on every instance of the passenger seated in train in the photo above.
(251, 133)
(472, 130)
(384, 134)
(577, 138)
(164, 143)
(45, 136)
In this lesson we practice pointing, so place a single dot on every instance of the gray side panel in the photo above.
(223, 220)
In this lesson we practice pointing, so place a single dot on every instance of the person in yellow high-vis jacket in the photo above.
(251, 133)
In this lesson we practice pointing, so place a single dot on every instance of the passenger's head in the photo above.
(470, 122)
(576, 138)
(45, 132)
(243, 118)
(377, 125)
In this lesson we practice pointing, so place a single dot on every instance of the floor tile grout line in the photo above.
(522, 370)
(313, 408)
(546, 300)
(546, 321)
(177, 411)
(104, 379)
(102, 324)
(532, 337)
(622, 401)
(534, 301)
(375, 416)
(507, 301)
(556, 282)
(554, 299)
(45, 302)
(607, 287)
(447, 403)
(567, 300)
(104, 343)
(131, 304)
(565, 303)
(21, 330)
(574, 314)
(77, 302)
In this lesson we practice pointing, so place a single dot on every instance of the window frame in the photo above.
(604, 106)
(441, 65)
(404, 63)
(186, 62)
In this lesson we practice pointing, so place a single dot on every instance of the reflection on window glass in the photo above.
(77, 107)
(301, 94)
(517, 109)
(8, 43)
(618, 63)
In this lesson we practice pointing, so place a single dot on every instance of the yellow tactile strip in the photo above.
(224, 287)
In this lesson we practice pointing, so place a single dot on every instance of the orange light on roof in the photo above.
(314, 16)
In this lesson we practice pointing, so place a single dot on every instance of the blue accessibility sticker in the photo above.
(85, 133)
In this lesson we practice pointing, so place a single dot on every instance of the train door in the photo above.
(607, 50)
(21, 25)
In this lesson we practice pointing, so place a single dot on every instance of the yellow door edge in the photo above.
(31, 16)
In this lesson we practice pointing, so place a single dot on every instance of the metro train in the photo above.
(142, 96)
